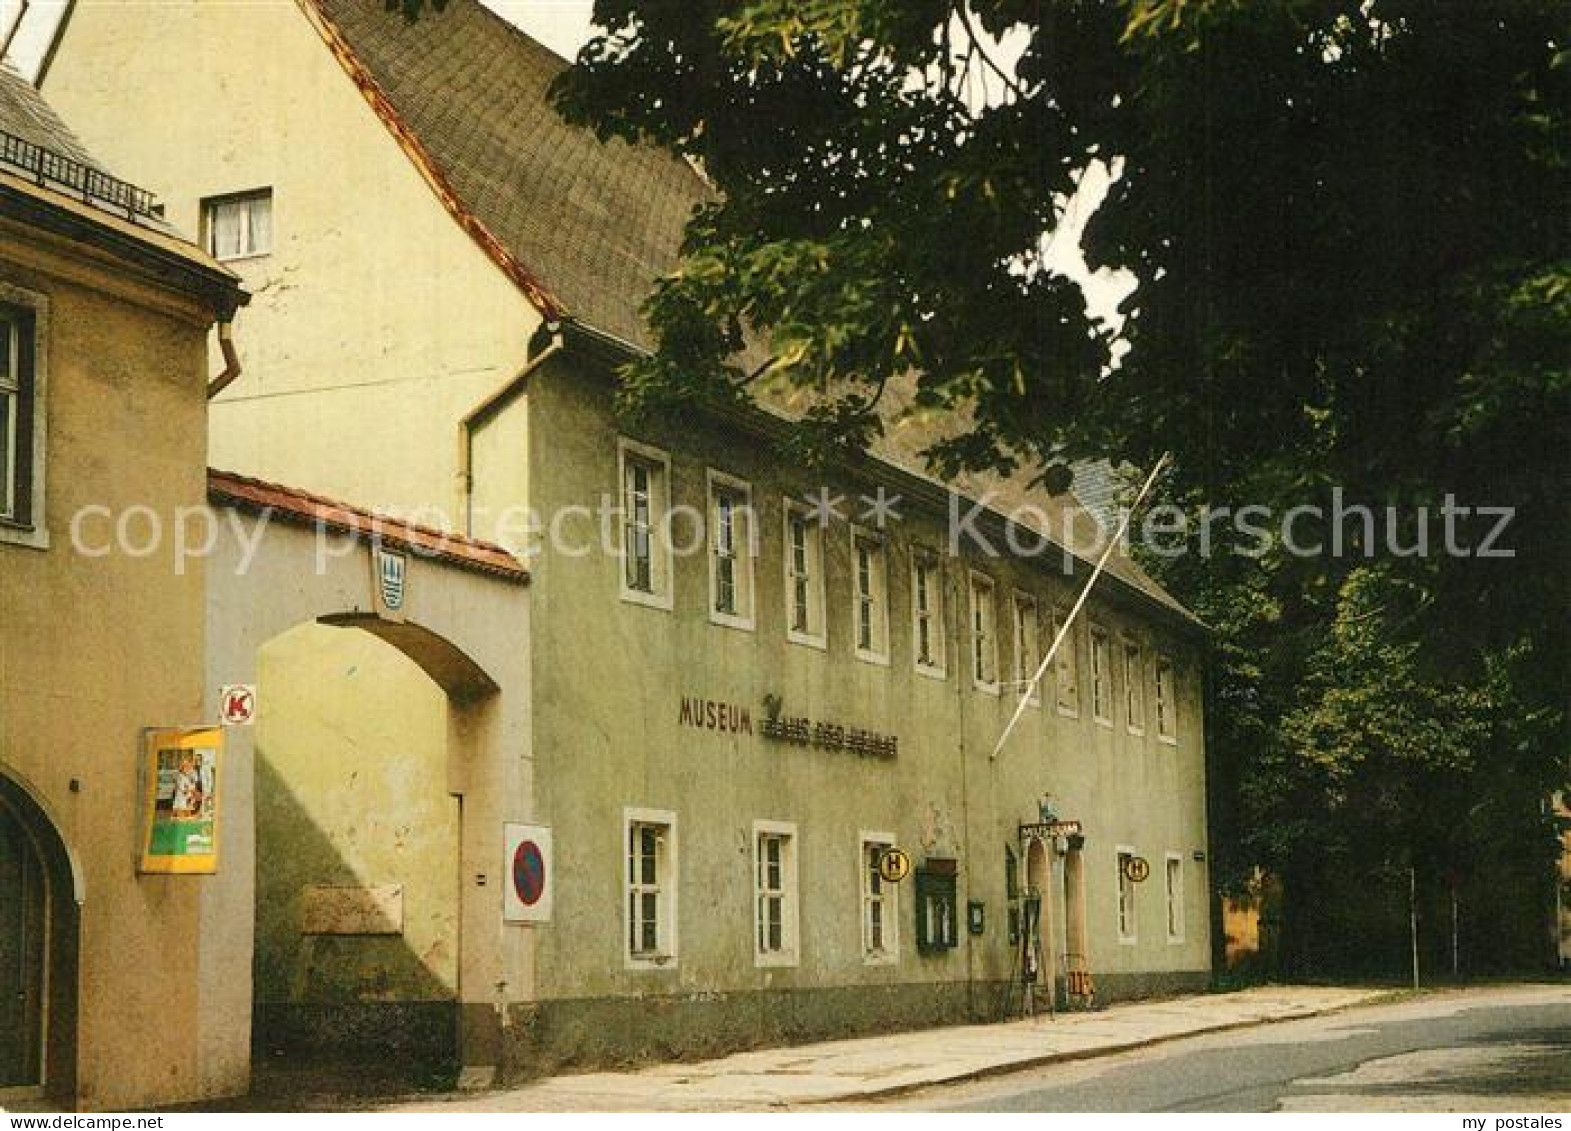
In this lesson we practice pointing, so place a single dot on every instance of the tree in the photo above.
(1346, 219)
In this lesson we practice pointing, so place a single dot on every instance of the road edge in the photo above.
(972, 1074)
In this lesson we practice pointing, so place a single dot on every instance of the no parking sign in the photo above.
(527, 872)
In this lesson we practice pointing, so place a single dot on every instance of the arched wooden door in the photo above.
(23, 932)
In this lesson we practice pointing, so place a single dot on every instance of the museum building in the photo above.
(702, 754)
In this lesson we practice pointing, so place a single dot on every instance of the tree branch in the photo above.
(963, 9)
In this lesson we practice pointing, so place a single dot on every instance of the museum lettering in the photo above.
(709, 714)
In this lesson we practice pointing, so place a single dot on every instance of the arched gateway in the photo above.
(40, 889)
(373, 936)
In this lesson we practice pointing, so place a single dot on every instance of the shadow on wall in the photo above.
(357, 857)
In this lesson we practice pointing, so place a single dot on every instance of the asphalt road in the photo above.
(1480, 1051)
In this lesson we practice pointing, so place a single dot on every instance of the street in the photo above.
(1493, 1049)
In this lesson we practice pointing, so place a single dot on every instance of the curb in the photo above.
(1071, 1055)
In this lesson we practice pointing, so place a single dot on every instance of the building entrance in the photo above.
(23, 931)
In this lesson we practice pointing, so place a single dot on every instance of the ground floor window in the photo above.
(1126, 896)
(880, 926)
(1175, 897)
(775, 894)
(651, 887)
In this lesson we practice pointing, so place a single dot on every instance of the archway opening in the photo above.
(358, 847)
(38, 950)
(1039, 885)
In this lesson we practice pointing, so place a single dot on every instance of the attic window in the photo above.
(239, 226)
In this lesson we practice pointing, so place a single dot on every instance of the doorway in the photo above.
(24, 928)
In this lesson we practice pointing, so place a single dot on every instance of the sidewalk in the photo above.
(863, 1069)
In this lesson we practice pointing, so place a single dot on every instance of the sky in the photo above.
(564, 26)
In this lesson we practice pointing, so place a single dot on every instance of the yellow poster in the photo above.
(180, 790)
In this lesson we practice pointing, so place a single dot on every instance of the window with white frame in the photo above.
(880, 911)
(927, 612)
(984, 633)
(18, 464)
(869, 572)
(775, 893)
(1126, 896)
(1101, 677)
(1134, 688)
(650, 842)
(731, 548)
(1066, 667)
(239, 226)
(1166, 728)
(1027, 644)
(1175, 897)
(645, 475)
(804, 576)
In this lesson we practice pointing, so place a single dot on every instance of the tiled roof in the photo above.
(24, 114)
(588, 224)
(227, 489)
(584, 227)
(43, 165)
(1063, 519)
(1101, 490)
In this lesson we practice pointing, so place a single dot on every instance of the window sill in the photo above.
(1167, 740)
(1101, 722)
(782, 961)
(1175, 940)
(729, 620)
(931, 672)
(1068, 712)
(1128, 940)
(248, 257)
(881, 958)
(660, 601)
(1137, 732)
(985, 688)
(806, 641)
(651, 962)
(879, 658)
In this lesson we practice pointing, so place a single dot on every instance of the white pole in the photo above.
(1412, 917)
(1456, 950)
(1063, 629)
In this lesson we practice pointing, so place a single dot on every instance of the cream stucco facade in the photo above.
(97, 646)
(372, 299)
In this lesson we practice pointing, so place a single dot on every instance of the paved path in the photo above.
(867, 1069)
(1487, 1050)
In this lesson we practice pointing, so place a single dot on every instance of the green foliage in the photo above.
(1347, 220)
